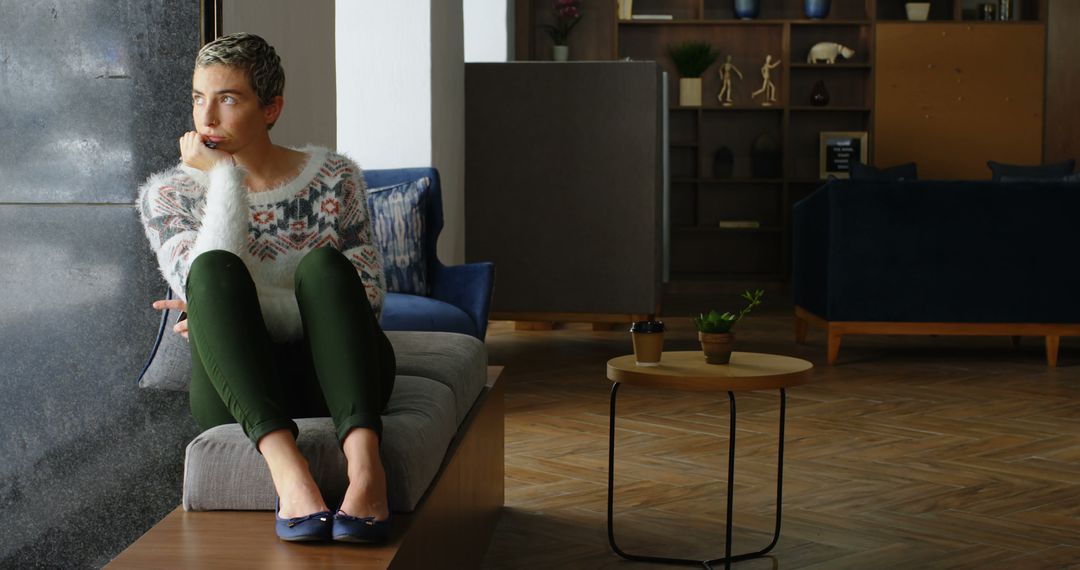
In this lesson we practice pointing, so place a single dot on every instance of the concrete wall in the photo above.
(93, 95)
(303, 35)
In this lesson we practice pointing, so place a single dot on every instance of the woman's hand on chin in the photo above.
(196, 154)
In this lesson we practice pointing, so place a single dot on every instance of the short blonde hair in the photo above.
(252, 54)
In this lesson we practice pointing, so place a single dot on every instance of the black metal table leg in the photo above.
(728, 557)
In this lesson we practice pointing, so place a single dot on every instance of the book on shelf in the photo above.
(734, 224)
(652, 17)
(626, 8)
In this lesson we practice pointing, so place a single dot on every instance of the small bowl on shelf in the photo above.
(917, 11)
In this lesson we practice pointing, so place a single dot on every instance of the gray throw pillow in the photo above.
(169, 364)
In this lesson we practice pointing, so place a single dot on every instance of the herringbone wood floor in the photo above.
(913, 452)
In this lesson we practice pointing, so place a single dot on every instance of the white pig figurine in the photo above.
(828, 51)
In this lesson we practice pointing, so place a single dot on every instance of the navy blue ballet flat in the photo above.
(361, 530)
(315, 527)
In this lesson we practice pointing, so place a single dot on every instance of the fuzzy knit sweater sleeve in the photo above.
(186, 212)
(354, 230)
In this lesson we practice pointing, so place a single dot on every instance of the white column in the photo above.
(401, 95)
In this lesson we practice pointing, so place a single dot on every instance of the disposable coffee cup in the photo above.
(648, 337)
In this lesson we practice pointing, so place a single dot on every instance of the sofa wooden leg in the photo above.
(534, 325)
(1053, 341)
(833, 347)
(1016, 341)
(800, 330)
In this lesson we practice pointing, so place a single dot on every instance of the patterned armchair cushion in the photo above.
(397, 226)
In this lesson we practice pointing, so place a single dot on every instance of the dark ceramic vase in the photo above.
(819, 96)
(747, 9)
(816, 9)
(723, 163)
(765, 158)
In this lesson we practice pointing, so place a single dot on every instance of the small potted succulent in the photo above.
(714, 329)
(692, 59)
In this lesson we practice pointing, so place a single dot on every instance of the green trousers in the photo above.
(344, 366)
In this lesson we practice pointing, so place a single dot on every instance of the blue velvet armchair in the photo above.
(459, 296)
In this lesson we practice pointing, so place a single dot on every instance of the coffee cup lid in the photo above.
(647, 327)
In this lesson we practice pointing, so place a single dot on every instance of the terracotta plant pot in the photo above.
(717, 346)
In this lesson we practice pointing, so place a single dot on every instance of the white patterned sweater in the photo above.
(186, 211)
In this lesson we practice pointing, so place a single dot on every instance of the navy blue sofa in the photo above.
(937, 257)
(459, 296)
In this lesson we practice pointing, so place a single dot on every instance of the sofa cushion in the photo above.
(224, 471)
(397, 227)
(901, 173)
(458, 361)
(1074, 177)
(1056, 170)
(403, 312)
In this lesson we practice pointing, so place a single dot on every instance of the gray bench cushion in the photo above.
(224, 471)
(440, 375)
(459, 361)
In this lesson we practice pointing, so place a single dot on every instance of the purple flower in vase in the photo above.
(567, 15)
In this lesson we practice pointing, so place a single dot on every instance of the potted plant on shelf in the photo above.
(692, 59)
(714, 329)
(567, 15)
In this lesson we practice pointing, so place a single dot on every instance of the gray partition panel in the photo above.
(93, 95)
(80, 441)
(563, 184)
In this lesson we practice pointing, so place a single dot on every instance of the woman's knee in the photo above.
(220, 270)
(322, 261)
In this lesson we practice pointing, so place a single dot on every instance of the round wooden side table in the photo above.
(688, 371)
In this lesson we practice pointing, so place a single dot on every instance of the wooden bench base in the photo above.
(837, 329)
(548, 321)
(451, 528)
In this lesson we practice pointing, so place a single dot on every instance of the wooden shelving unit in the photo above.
(700, 250)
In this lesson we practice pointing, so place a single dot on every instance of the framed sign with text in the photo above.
(839, 150)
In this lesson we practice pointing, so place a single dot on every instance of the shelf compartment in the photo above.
(894, 10)
(710, 22)
(854, 37)
(747, 46)
(830, 67)
(788, 10)
(759, 203)
(682, 126)
(804, 138)
(738, 132)
(848, 86)
(679, 9)
(683, 162)
(731, 253)
(747, 108)
(683, 203)
(830, 109)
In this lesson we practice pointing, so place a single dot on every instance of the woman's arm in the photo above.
(183, 217)
(354, 229)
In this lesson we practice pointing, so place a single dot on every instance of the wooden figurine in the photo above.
(767, 86)
(725, 71)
